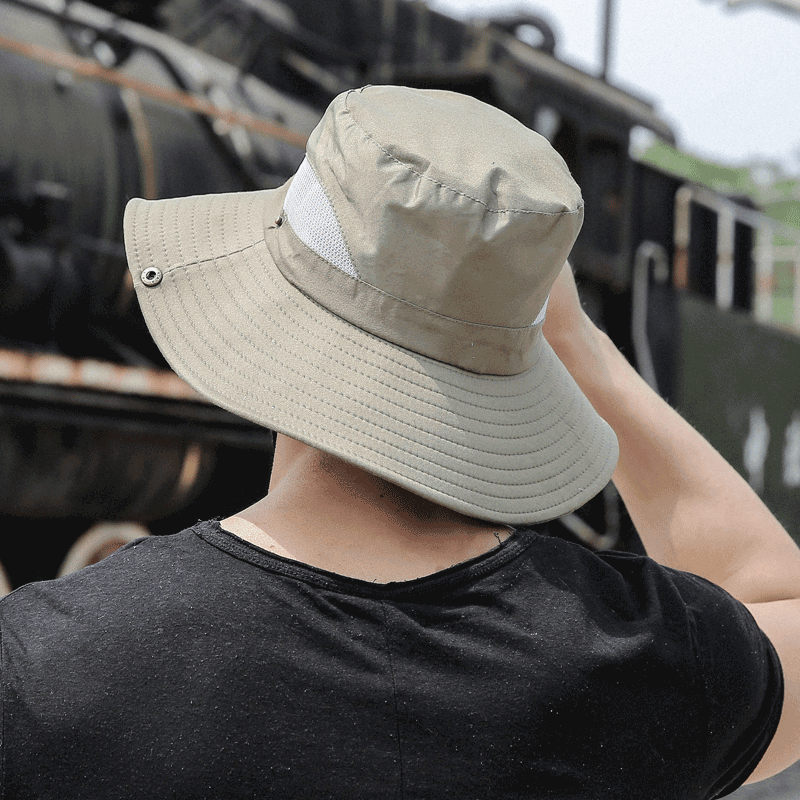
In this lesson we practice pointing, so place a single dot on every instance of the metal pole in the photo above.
(607, 26)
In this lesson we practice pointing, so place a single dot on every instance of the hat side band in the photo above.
(313, 255)
(483, 349)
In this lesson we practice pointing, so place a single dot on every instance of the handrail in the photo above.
(59, 370)
(174, 97)
(646, 253)
(728, 214)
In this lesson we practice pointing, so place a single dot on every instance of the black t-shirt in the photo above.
(199, 666)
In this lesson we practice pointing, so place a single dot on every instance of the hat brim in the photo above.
(513, 449)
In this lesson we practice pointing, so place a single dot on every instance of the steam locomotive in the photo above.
(105, 102)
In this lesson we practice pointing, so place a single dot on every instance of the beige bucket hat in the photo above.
(386, 303)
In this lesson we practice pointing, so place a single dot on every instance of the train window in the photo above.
(546, 121)
(641, 140)
(703, 251)
(602, 183)
(714, 247)
(743, 267)
(567, 142)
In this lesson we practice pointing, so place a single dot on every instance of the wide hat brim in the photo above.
(513, 449)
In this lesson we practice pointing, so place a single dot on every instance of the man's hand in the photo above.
(564, 313)
(574, 337)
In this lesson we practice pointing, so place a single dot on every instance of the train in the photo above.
(100, 442)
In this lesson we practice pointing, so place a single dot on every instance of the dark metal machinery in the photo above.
(219, 95)
(92, 425)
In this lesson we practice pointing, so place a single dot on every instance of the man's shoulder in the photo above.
(629, 585)
(133, 578)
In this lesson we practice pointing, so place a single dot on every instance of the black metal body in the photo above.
(96, 111)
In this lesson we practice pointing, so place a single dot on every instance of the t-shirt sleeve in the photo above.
(743, 682)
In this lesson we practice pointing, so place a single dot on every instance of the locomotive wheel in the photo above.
(5, 585)
(98, 542)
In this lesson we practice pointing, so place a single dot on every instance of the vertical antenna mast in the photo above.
(607, 30)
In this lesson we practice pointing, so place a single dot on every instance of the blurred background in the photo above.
(680, 119)
(724, 74)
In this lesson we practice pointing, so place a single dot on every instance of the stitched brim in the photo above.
(518, 449)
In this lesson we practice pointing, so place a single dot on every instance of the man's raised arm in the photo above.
(692, 510)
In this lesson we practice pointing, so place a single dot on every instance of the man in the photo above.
(375, 627)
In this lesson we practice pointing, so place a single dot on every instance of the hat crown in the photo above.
(446, 202)
(431, 220)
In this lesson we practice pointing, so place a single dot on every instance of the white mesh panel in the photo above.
(313, 219)
(543, 312)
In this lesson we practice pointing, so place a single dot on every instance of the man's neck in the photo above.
(333, 515)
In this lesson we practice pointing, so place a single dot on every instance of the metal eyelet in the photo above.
(152, 276)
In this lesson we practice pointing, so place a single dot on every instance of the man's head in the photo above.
(386, 303)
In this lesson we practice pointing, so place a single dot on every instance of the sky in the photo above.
(726, 79)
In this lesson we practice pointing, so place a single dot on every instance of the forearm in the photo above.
(692, 510)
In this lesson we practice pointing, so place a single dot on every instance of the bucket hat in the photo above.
(386, 303)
